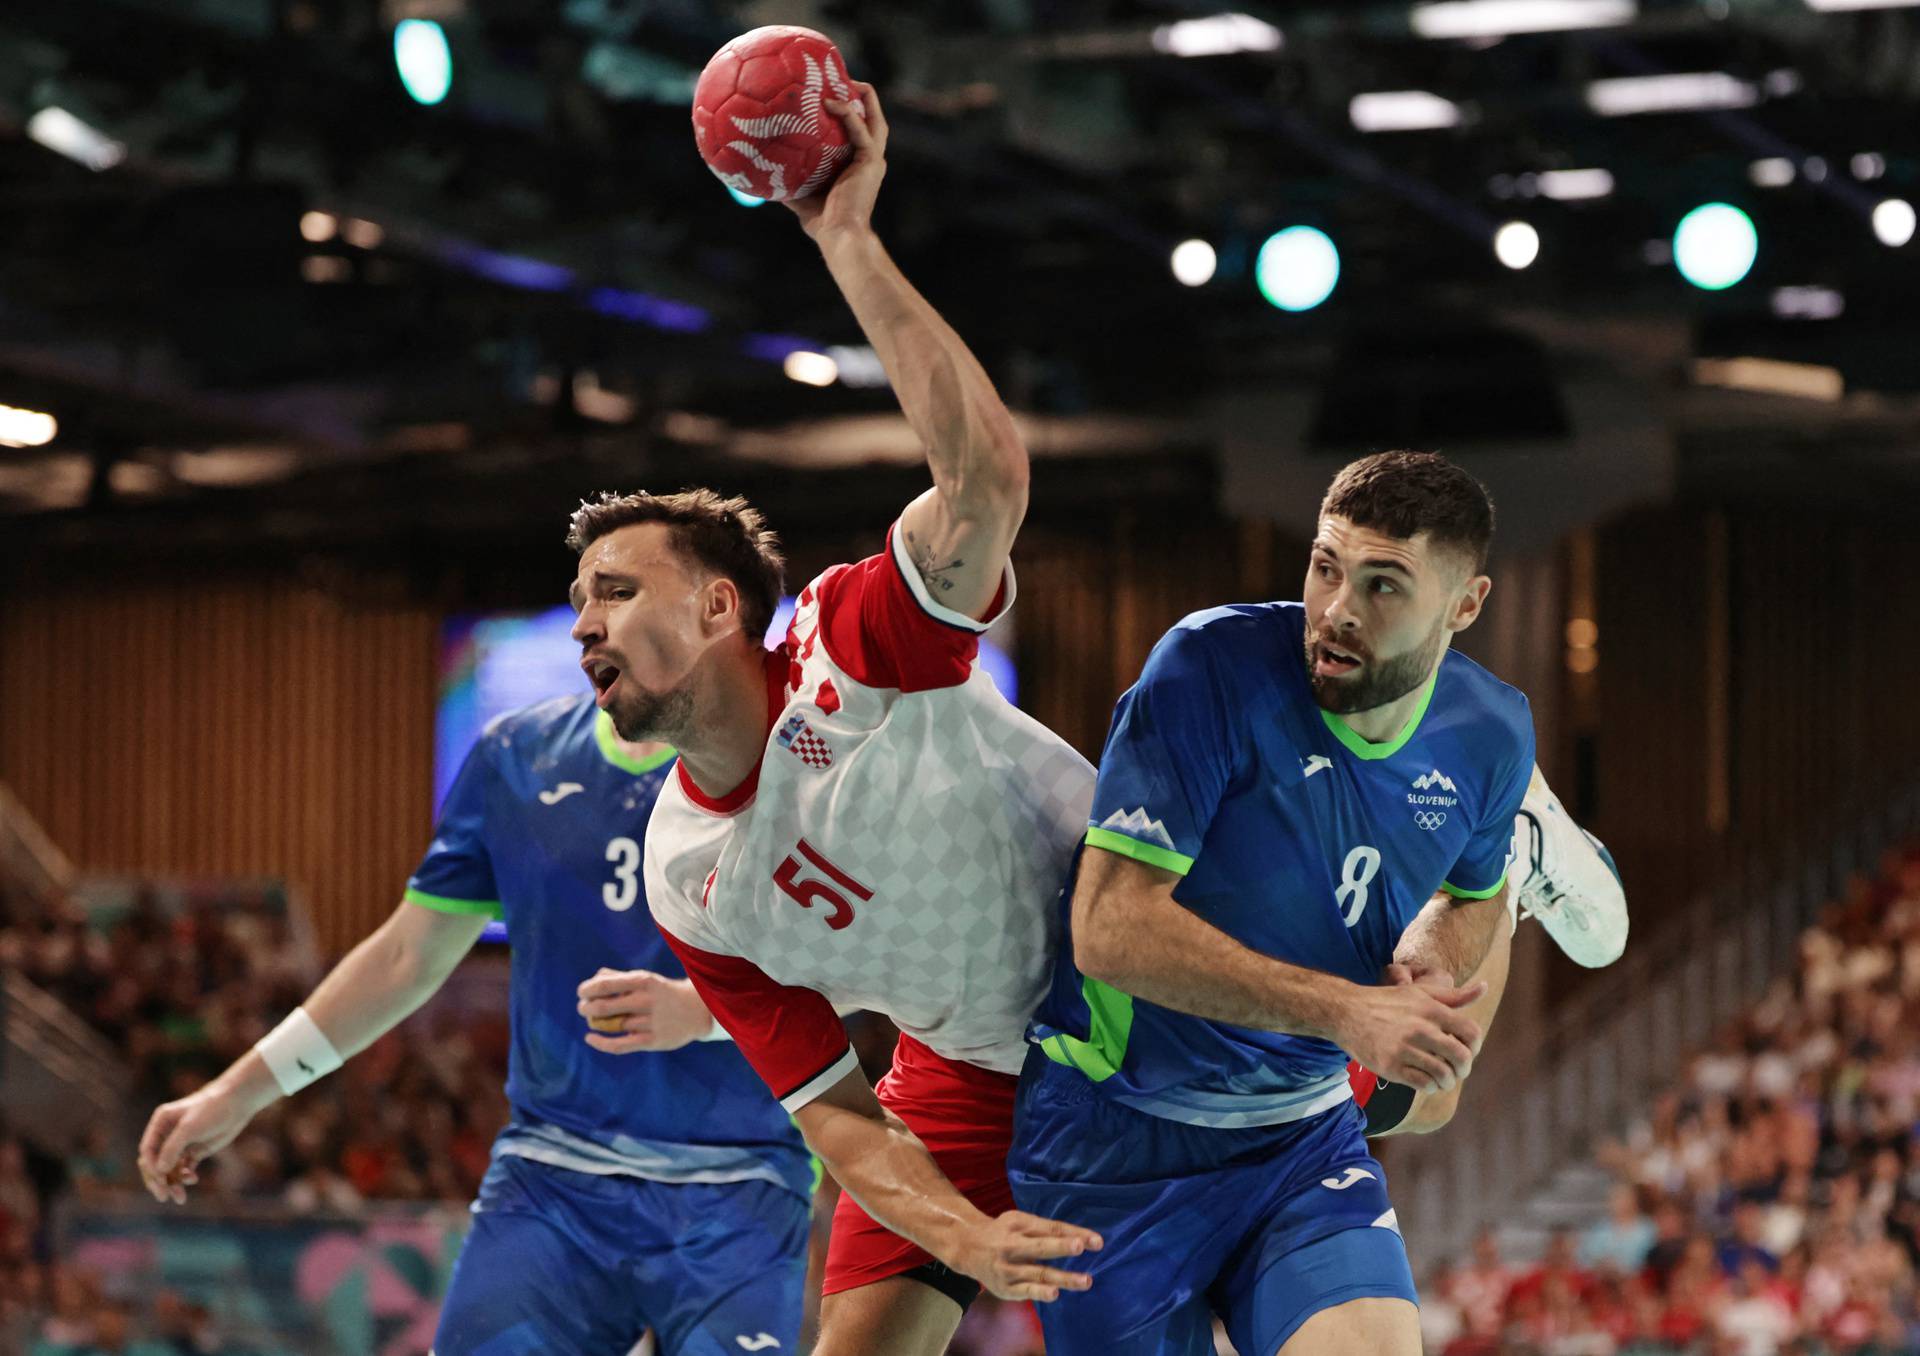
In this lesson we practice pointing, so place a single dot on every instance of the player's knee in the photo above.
(1376, 1324)
(898, 1314)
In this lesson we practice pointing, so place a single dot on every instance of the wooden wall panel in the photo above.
(1825, 636)
(1519, 639)
(220, 727)
(1650, 801)
(1092, 606)
(1778, 644)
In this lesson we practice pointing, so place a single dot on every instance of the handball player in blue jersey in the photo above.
(663, 1190)
(1298, 852)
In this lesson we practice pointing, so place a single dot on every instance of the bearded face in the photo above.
(1380, 612)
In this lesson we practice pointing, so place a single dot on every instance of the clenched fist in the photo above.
(1412, 1031)
(633, 1010)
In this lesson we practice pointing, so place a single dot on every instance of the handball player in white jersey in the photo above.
(858, 818)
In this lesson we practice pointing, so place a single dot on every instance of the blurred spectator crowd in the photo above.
(1769, 1204)
(180, 992)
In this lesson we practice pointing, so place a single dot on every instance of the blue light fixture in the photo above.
(424, 60)
(1714, 246)
(1297, 268)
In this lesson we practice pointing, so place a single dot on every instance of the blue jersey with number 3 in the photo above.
(544, 827)
(1294, 836)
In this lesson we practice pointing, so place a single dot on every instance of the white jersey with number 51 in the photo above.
(900, 847)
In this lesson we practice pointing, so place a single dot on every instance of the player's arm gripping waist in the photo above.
(876, 1158)
(1131, 934)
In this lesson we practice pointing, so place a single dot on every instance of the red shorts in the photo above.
(964, 1115)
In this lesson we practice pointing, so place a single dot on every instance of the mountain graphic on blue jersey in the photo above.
(1135, 824)
(1432, 779)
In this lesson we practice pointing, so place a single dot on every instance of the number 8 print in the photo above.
(1361, 866)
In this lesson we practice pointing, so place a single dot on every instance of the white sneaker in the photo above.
(1565, 877)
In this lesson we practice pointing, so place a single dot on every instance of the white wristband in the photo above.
(298, 1052)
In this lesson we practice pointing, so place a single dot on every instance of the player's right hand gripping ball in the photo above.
(758, 117)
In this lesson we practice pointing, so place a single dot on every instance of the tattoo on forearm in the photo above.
(929, 564)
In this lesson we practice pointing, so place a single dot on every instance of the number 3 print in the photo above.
(619, 893)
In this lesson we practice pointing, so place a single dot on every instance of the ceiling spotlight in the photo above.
(810, 368)
(593, 401)
(1575, 184)
(1498, 18)
(1627, 95)
(1714, 246)
(1808, 303)
(1893, 222)
(26, 428)
(859, 366)
(365, 235)
(1770, 376)
(1516, 244)
(1774, 172)
(325, 268)
(1193, 262)
(1297, 268)
(1834, 6)
(424, 60)
(59, 131)
(1869, 165)
(318, 227)
(1216, 35)
(1402, 110)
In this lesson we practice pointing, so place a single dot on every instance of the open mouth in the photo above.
(604, 675)
(1330, 661)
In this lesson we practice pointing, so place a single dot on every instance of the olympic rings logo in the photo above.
(1429, 819)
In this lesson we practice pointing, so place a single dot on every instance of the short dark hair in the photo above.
(727, 537)
(1406, 493)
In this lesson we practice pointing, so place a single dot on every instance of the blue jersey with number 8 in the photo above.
(1290, 833)
(543, 827)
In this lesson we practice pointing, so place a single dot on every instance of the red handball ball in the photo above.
(758, 117)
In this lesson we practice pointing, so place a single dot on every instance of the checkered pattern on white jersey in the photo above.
(954, 812)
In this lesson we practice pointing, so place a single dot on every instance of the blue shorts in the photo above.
(575, 1264)
(1264, 1226)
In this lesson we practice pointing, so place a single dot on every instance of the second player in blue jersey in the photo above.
(663, 1191)
(1298, 848)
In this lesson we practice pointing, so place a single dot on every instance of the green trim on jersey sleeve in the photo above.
(1111, 1024)
(442, 904)
(1363, 748)
(1164, 858)
(609, 742)
(819, 1169)
(1458, 893)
